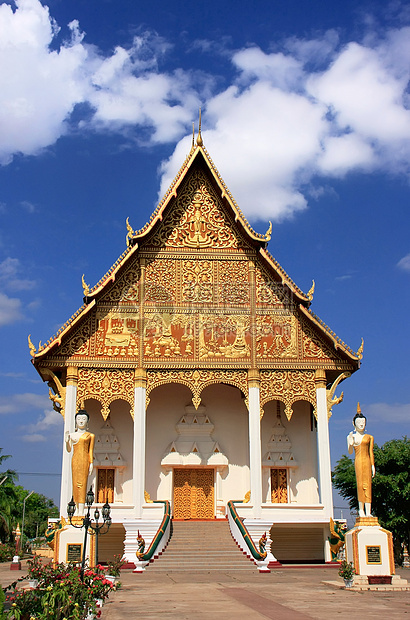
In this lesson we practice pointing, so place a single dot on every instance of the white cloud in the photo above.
(10, 310)
(404, 263)
(388, 412)
(287, 120)
(48, 422)
(281, 127)
(20, 403)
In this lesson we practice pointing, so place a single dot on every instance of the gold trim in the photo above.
(140, 377)
(355, 548)
(320, 378)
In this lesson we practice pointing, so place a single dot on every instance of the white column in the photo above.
(139, 441)
(69, 425)
(255, 454)
(323, 446)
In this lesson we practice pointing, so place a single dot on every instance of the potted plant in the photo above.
(35, 571)
(114, 567)
(346, 571)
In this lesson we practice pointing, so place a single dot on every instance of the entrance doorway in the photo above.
(194, 494)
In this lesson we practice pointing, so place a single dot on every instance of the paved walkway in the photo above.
(284, 594)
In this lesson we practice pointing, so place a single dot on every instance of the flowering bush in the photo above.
(114, 567)
(61, 594)
(6, 552)
(346, 570)
(35, 567)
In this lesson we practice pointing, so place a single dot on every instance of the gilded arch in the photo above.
(288, 386)
(197, 381)
(106, 386)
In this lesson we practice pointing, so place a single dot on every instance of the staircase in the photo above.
(201, 546)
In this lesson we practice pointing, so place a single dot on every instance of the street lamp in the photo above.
(22, 525)
(87, 523)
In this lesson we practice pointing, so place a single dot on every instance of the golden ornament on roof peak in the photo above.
(199, 140)
(360, 351)
(268, 232)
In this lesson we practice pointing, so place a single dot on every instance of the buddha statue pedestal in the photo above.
(370, 549)
(69, 541)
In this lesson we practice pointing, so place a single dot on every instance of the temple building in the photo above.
(206, 376)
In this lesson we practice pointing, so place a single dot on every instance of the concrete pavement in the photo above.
(284, 594)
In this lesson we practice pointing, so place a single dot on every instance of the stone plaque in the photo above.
(74, 552)
(373, 554)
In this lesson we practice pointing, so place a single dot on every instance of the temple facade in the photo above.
(206, 376)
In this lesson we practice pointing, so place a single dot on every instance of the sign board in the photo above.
(74, 552)
(373, 554)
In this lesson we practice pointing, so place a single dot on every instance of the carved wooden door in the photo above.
(105, 486)
(193, 494)
(279, 485)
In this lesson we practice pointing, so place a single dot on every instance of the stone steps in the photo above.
(201, 546)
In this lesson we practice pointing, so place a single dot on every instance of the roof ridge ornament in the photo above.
(360, 350)
(268, 232)
(130, 232)
(86, 288)
(311, 291)
(199, 140)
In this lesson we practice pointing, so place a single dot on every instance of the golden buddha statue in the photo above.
(362, 444)
(82, 444)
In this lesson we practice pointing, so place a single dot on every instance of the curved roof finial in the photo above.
(199, 138)
(193, 135)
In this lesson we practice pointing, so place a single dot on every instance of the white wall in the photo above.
(303, 487)
(122, 423)
(226, 410)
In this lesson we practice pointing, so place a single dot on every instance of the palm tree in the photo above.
(8, 500)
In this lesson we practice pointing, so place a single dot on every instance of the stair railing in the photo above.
(243, 538)
(160, 540)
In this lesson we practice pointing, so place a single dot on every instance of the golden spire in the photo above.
(359, 411)
(193, 135)
(86, 288)
(311, 291)
(199, 138)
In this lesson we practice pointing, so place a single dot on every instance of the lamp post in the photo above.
(22, 524)
(87, 523)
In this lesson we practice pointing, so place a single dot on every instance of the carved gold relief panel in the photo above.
(168, 335)
(288, 386)
(276, 336)
(197, 220)
(125, 290)
(270, 292)
(78, 344)
(314, 348)
(106, 386)
(160, 281)
(198, 281)
(116, 334)
(224, 337)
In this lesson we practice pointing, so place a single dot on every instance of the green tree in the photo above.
(8, 499)
(390, 489)
(38, 509)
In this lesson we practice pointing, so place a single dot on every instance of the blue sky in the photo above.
(306, 116)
